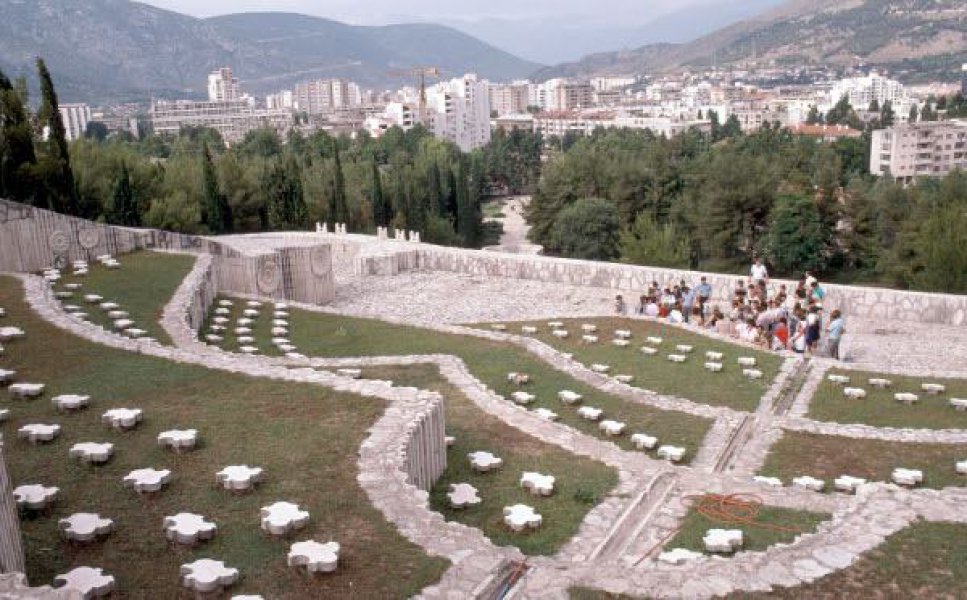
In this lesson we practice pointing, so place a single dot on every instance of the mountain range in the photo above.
(914, 39)
(117, 50)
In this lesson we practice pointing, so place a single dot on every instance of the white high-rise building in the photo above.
(862, 91)
(459, 111)
(75, 118)
(325, 96)
(223, 86)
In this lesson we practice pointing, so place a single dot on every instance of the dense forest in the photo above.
(712, 203)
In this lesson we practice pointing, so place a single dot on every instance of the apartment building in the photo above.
(508, 99)
(862, 91)
(325, 96)
(75, 118)
(459, 111)
(232, 119)
(926, 149)
(223, 86)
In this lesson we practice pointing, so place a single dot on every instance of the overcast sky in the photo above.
(390, 11)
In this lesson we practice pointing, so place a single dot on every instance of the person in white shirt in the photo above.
(759, 272)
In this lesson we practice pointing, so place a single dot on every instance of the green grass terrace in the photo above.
(305, 437)
(881, 409)
(656, 373)
(324, 335)
(142, 286)
(827, 457)
(580, 483)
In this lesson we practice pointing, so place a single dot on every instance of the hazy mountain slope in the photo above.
(926, 36)
(101, 50)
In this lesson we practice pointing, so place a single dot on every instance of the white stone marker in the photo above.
(528, 329)
(147, 480)
(70, 401)
(253, 304)
(518, 378)
(134, 332)
(243, 331)
(654, 341)
(907, 477)
(36, 433)
(770, 481)
(547, 415)
(569, 397)
(85, 527)
(555, 324)
(678, 556)
(746, 361)
(239, 477)
(933, 388)
(6, 376)
(671, 453)
(178, 440)
(879, 382)
(351, 373)
(906, 397)
(118, 314)
(624, 378)
(684, 348)
(959, 403)
(962, 467)
(250, 313)
(752, 373)
(282, 517)
(245, 322)
(537, 484)
(643, 441)
(589, 328)
(188, 528)
(590, 413)
(462, 495)
(612, 428)
(522, 397)
(722, 541)
(26, 390)
(123, 419)
(316, 557)
(279, 331)
(677, 358)
(248, 350)
(482, 462)
(854, 393)
(110, 306)
(220, 321)
(214, 339)
(34, 496)
(225, 303)
(589, 339)
(848, 483)
(122, 324)
(10, 333)
(624, 334)
(498, 327)
(714, 367)
(599, 368)
(520, 517)
(714, 356)
(620, 343)
(4, 414)
(648, 350)
(280, 323)
(92, 298)
(206, 575)
(560, 333)
(92, 452)
(87, 582)
(449, 440)
(809, 483)
(840, 379)
(221, 310)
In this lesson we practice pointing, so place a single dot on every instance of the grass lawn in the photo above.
(493, 209)
(924, 560)
(305, 437)
(656, 373)
(827, 457)
(580, 483)
(881, 409)
(318, 334)
(142, 286)
(755, 538)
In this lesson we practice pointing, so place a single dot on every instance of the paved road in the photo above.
(514, 239)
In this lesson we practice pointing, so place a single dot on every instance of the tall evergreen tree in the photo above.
(287, 205)
(216, 212)
(451, 206)
(17, 158)
(382, 211)
(436, 200)
(124, 208)
(467, 225)
(340, 207)
(55, 166)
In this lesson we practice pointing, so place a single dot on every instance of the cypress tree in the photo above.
(340, 208)
(216, 212)
(55, 167)
(382, 212)
(124, 210)
(17, 158)
(436, 200)
(451, 210)
(465, 225)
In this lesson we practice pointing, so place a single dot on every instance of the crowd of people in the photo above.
(772, 317)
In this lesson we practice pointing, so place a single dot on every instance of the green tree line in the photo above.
(696, 202)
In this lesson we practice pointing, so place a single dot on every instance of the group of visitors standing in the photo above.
(778, 319)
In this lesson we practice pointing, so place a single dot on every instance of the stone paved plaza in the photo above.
(616, 546)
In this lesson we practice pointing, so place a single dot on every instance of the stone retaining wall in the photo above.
(11, 547)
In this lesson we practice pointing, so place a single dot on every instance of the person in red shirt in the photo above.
(780, 334)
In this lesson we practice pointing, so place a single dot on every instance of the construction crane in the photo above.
(421, 73)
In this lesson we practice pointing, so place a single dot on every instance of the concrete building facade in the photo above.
(926, 149)
(75, 118)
